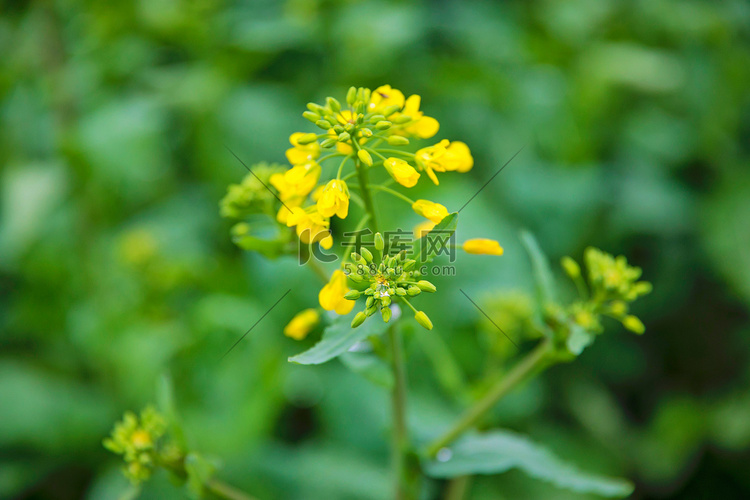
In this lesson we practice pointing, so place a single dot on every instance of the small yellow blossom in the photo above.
(334, 199)
(423, 228)
(433, 211)
(302, 324)
(385, 96)
(331, 296)
(311, 227)
(422, 126)
(402, 172)
(482, 246)
(445, 156)
(300, 154)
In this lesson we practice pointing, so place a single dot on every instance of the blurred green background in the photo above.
(116, 268)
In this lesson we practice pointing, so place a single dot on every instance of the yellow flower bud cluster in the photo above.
(610, 285)
(250, 196)
(138, 440)
(384, 281)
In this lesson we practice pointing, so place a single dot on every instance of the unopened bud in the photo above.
(400, 291)
(366, 132)
(370, 301)
(386, 313)
(364, 157)
(344, 137)
(376, 118)
(351, 95)
(333, 104)
(309, 115)
(413, 291)
(359, 318)
(324, 124)
(383, 125)
(423, 320)
(571, 267)
(379, 243)
(426, 286)
(401, 119)
(366, 254)
(633, 324)
(307, 139)
(397, 140)
(389, 110)
(352, 295)
(338, 128)
(328, 143)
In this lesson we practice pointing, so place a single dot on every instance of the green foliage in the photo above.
(499, 451)
(337, 339)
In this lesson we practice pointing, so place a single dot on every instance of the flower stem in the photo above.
(365, 190)
(536, 359)
(394, 193)
(223, 490)
(398, 397)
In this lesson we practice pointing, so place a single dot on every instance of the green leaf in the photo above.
(429, 245)
(370, 366)
(338, 338)
(540, 266)
(499, 451)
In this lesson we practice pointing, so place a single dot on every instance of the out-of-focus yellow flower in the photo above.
(445, 156)
(431, 210)
(423, 228)
(311, 227)
(633, 324)
(385, 96)
(300, 153)
(331, 296)
(334, 199)
(421, 126)
(302, 324)
(482, 246)
(402, 172)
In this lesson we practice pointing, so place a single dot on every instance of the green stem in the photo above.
(316, 267)
(365, 190)
(341, 167)
(223, 490)
(398, 398)
(398, 152)
(535, 359)
(394, 193)
(458, 488)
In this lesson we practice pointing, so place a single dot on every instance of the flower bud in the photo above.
(324, 124)
(383, 125)
(344, 137)
(352, 295)
(371, 310)
(389, 110)
(309, 115)
(316, 108)
(426, 286)
(413, 291)
(386, 313)
(333, 104)
(366, 254)
(307, 139)
(366, 132)
(359, 318)
(351, 95)
(376, 118)
(423, 320)
(364, 157)
(379, 243)
(357, 259)
(338, 128)
(571, 267)
(400, 291)
(386, 301)
(397, 140)
(328, 143)
(633, 324)
(409, 264)
(366, 94)
(369, 302)
(401, 119)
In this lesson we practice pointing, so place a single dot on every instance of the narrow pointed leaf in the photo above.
(338, 338)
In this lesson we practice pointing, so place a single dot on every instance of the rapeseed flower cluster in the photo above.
(138, 440)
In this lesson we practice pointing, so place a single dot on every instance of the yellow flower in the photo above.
(331, 296)
(445, 156)
(311, 227)
(402, 172)
(385, 96)
(421, 126)
(423, 228)
(300, 154)
(482, 246)
(302, 324)
(433, 211)
(334, 199)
